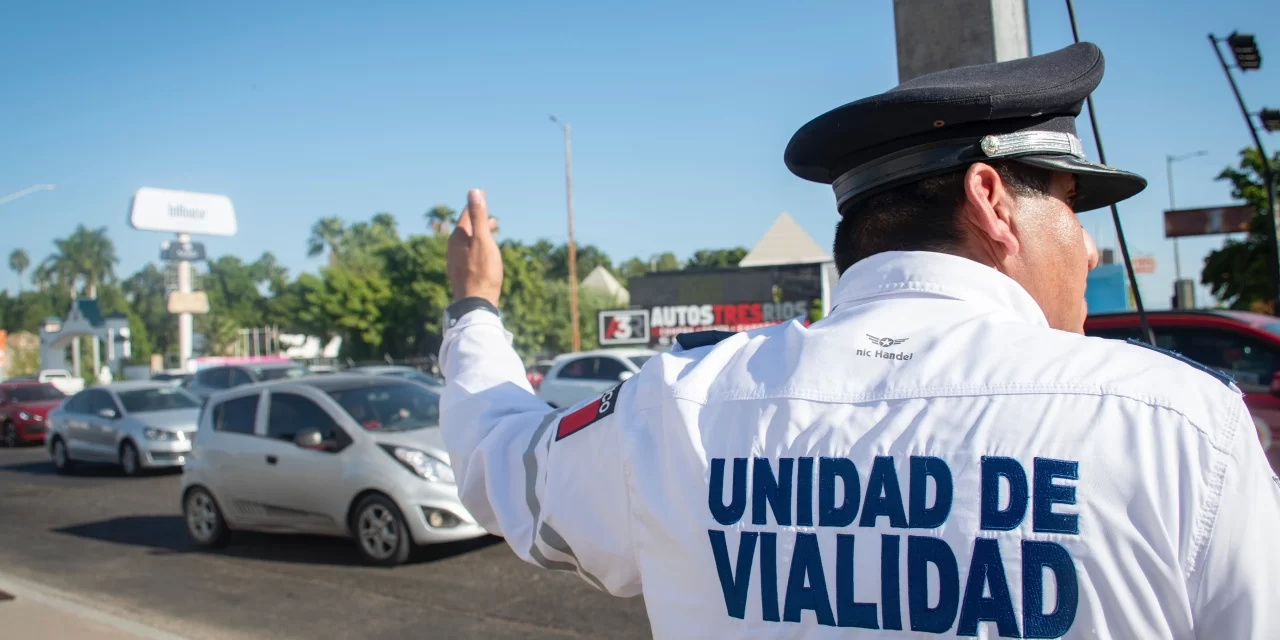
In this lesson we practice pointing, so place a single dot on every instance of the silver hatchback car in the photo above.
(138, 425)
(347, 455)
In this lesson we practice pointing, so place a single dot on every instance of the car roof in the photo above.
(622, 352)
(336, 382)
(1247, 317)
(375, 368)
(26, 382)
(133, 385)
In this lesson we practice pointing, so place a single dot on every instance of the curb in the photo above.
(21, 590)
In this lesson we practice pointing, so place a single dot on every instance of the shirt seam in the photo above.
(1206, 524)
(925, 393)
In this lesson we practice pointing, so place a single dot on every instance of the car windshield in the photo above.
(394, 406)
(162, 399)
(413, 374)
(639, 360)
(1272, 328)
(35, 393)
(279, 373)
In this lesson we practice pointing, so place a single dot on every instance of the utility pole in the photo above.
(1245, 51)
(573, 254)
(1177, 259)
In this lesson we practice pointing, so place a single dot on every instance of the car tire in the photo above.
(130, 462)
(205, 525)
(10, 436)
(61, 456)
(381, 535)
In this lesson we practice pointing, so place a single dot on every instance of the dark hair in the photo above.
(921, 216)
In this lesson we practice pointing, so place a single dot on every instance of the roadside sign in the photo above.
(1208, 221)
(626, 326)
(182, 212)
(193, 302)
(179, 252)
(1143, 264)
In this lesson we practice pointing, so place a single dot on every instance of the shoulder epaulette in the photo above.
(1218, 374)
(695, 339)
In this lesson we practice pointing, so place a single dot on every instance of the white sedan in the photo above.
(350, 455)
(574, 377)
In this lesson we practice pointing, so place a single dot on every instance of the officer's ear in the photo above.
(988, 212)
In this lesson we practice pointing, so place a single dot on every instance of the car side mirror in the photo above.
(109, 414)
(625, 376)
(1275, 384)
(309, 439)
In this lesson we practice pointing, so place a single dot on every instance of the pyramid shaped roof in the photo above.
(785, 243)
(601, 280)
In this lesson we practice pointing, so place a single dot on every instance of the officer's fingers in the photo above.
(464, 222)
(479, 213)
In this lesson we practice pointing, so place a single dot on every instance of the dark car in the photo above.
(207, 382)
(24, 411)
(1244, 345)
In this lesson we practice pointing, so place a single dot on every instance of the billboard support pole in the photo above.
(184, 319)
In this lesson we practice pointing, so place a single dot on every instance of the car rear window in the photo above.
(163, 399)
(279, 373)
(35, 393)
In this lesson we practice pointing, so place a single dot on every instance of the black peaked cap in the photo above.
(1022, 110)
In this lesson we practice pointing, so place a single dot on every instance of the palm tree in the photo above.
(441, 219)
(385, 224)
(326, 233)
(87, 256)
(18, 261)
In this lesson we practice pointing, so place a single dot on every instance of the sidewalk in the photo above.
(32, 612)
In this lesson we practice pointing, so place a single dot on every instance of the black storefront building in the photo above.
(784, 277)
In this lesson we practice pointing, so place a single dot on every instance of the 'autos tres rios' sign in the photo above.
(660, 324)
(182, 212)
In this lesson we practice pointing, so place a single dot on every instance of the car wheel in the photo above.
(10, 438)
(61, 458)
(129, 461)
(380, 532)
(204, 519)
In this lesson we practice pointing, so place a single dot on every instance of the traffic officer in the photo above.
(944, 453)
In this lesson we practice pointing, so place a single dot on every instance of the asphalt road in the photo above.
(120, 543)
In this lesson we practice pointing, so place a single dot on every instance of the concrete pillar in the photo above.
(933, 35)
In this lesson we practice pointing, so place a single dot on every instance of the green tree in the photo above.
(716, 258)
(440, 219)
(234, 297)
(555, 259)
(525, 305)
(415, 271)
(146, 294)
(85, 257)
(1241, 273)
(18, 262)
(559, 336)
(326, 233)
(349, 305)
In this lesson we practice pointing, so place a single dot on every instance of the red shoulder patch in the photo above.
(589, 414)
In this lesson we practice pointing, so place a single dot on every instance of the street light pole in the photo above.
(1269, 180)
(1168, 163)
(573, 253)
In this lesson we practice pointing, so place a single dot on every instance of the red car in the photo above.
(24, 411)
(1244, 345)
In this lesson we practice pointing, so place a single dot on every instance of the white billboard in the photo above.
(203, 214)
(624, 326)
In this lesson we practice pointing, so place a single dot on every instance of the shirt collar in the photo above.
(924, 272)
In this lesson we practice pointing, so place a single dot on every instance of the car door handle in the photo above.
(271, 459)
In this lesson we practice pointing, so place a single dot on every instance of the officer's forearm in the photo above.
(487, 413)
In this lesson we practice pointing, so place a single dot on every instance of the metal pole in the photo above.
(1268, 177)
(184, 319)
(1115, 212)
(576, 339)
(1177, 260)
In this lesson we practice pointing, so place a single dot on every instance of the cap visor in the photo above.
(1097, 185)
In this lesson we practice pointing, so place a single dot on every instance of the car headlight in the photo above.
(153, 433)
(422, 464)
(24, 415)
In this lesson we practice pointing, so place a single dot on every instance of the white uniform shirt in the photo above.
(929, 459)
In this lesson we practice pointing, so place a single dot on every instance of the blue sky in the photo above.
(680, 112)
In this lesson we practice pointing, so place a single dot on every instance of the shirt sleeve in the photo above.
(1239, 580)
(552, 482)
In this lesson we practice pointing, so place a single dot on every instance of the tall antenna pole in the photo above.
(1115, 212)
